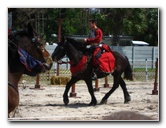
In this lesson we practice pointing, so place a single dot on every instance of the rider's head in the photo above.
(92, 24)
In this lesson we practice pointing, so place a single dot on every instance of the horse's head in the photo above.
(28, 40)
(60, 50)
(70, 47)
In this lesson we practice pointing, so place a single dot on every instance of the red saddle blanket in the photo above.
(103, 59)
(79, 67)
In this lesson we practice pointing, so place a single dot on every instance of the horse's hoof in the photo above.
(92, 104)
(103, 102)
(127, 100)
(66, 102)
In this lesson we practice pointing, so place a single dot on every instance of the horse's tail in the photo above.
(128, 73)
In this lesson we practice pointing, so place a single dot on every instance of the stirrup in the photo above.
(94, 77)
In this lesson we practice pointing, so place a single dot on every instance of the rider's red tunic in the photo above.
(97, 38)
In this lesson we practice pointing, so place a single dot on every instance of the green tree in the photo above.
(151, 34)
(140, 23)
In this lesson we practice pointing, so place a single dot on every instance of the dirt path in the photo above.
(47, 104)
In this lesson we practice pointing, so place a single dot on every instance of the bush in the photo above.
(59, 80)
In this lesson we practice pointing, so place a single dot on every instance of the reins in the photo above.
(72, 62)
(11, 85)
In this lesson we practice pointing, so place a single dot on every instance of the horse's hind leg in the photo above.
(68, 85)
(115, 86)
(125, 92)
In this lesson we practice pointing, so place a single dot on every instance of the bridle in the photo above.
(41, 49)
(35, 41)
(71, 62)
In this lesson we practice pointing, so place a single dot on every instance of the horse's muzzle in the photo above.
(48, 63)
(47, 66)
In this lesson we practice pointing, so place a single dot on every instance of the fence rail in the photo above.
(142, 60)
(144, 74)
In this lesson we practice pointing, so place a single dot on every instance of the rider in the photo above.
(95, 37)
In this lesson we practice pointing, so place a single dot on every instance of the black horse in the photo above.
(75, 51)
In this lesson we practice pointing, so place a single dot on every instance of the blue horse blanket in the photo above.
(32, 66)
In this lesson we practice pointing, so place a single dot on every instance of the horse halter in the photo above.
(35, 40)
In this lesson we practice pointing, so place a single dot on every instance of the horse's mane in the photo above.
(81, 46)
(22, 32)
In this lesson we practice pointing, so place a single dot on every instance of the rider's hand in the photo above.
(85, 40)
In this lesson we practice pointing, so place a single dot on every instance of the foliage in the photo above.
(140, 23)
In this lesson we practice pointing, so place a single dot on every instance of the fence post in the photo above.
(155, 91)
(133, 56)
(146, 71)
(96, 85)
(106, 85)
(73, 94)
(37, 85)
(55, 70)
(153, 57)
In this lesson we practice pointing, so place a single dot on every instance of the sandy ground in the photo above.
(46, 103)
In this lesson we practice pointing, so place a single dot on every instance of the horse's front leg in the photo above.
(72, 81)
(91, 91)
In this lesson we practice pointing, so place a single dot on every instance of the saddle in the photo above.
(103, 60)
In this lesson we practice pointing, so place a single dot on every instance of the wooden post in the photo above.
(37, 85)
(106, 85)
(96, 85)
(155, 91)
(59, 29)
(59, 40)
(73, 94)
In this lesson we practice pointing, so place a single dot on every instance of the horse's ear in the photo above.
(30, 29)
(63, 39)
